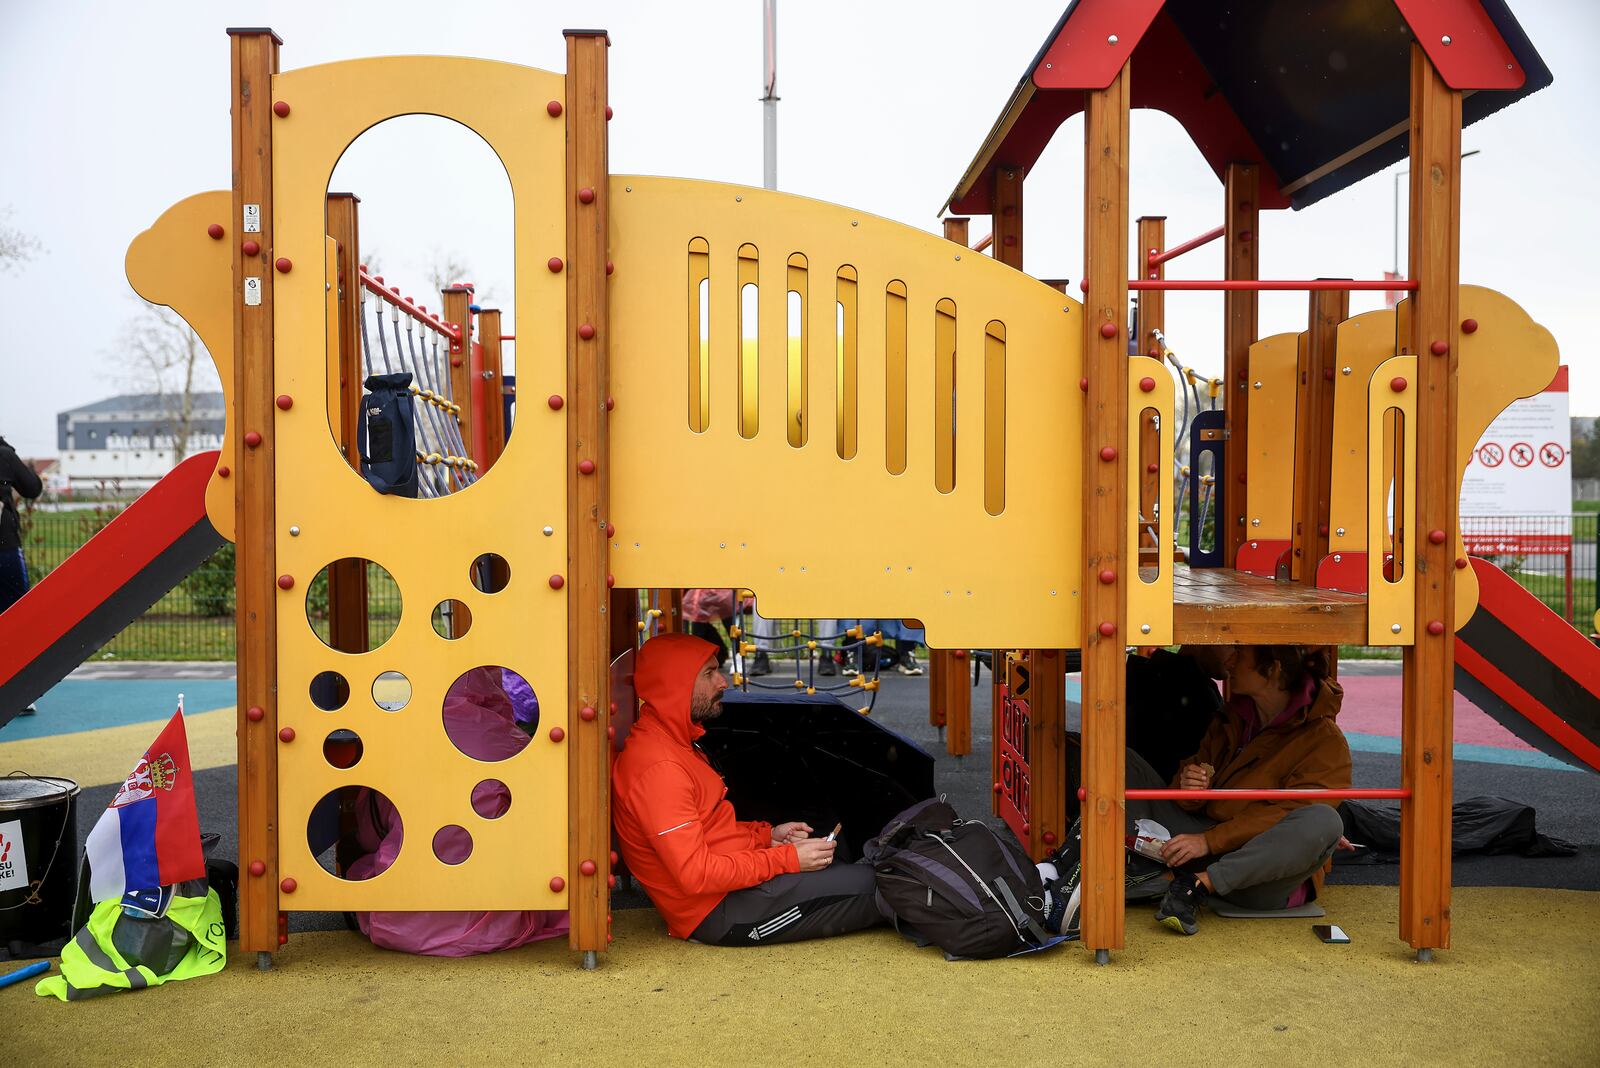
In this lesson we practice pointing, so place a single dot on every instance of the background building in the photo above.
(130, 439)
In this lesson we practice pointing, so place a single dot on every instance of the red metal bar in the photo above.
(391, 294)
(508, 337)
(1292, 285)
(1260, 795)
(1154, 259)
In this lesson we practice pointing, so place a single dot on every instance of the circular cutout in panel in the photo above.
(451, 619)
(336, 597)
(391, 691)
(342, 749)
(491, 799)
(490, 713)
(355, 832)
(329, 691)
(490, 573)
(452, 844)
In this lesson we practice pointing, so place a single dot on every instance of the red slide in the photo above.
(98, 590)
(1528, 668)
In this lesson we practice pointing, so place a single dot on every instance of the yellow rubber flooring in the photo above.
(1521, 988)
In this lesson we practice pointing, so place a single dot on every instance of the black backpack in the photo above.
(387, 435)
(958, 885)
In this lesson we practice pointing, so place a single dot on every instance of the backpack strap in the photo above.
(1019, 915)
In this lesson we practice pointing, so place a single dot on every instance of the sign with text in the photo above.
(1516, 493)
(1011, 748)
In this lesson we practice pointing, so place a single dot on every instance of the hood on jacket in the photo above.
(663, 679)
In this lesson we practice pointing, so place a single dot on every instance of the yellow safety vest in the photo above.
(91, 965)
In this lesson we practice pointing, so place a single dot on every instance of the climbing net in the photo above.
(808, 651)
(421, 348)
(1200, 394)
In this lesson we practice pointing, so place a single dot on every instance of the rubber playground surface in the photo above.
(1521, 980)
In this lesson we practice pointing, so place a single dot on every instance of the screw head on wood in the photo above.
(556, 401)
(554, 108)
(1469, 326)
(586, 331)
(288, 886)
(586, 195)
(284, 402)
(257, 868)
(281, 109)
(557, 734)
(250, 248)
(1397, 384)
(285, 582)
(286, 734)
(216, 231)
(555, 264)
(1394, 628)
(284, 264)
(556, 582)
(1147, 384)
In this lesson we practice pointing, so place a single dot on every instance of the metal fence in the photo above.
(1553, 556)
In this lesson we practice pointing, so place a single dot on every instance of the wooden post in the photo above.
(493, 410)
(1241, 260)
(347, 579)
(1105, 508)
(457, 303)
(254, 61)
(588, 503)
(956, 229)
(1152, 320)
(1007, 247)
(1313, 441)
(1428, 703)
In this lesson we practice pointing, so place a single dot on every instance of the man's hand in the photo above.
(784, 833)
(815, 853)
(1344, 845)
(1182, 848)
(1195, 777)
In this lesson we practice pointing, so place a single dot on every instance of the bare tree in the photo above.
(160, 354)
(16, 246)
(447, 269)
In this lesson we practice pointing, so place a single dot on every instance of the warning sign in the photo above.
(13, 861)
(1524, 464)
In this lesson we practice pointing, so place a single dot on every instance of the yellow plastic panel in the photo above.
(1363, 342)
(749, 343)
(944, 395)
(895, 377)
(178, 264)
(429, 545)
(1390, 615)
(1149, 597)
(994, 418)
(1269, 470)
(846, 330)
(799, 421)
(699, 357)
(882, 545)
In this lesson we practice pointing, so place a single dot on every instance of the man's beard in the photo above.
(700, 711)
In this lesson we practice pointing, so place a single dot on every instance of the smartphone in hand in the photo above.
(834, 834)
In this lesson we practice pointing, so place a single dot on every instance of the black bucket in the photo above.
(38, 873)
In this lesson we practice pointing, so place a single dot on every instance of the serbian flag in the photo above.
(150, 835)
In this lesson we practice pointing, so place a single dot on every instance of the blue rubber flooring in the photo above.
(76, 705)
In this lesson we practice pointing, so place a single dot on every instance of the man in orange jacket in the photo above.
(713, 877)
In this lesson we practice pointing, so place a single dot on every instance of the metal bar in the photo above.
(1261, 795)
(1155, 259)
(1275, 284)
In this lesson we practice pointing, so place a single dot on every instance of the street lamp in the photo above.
(1397, 174)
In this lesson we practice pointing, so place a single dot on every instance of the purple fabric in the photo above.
(524, 705)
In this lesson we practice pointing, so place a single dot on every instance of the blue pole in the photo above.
(24, 973)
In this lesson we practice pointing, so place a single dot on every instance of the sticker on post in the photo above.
(13, 861)
(252, 218)
(252, 292)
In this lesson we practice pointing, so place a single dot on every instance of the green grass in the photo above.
(1586, 506)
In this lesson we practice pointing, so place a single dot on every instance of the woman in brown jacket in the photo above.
(1277, 732)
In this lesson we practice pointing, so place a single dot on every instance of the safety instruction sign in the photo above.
(13, 861)
(1522, 467)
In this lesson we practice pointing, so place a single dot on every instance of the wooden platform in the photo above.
(1226, 607)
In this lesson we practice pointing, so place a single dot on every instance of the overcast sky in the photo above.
(110, 112)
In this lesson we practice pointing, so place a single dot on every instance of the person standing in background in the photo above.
(15, 477)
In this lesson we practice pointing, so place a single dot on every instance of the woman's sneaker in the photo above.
(1180, 909)
(908, 665)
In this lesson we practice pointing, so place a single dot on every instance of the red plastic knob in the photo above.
(556, 582)
(1083, 284)
(585, 467)
(1461, 562)
(996, 787)
(556, 401)
(1107, 629)
(1107, 577)
(1469, 326)
(554, 108)
(257, 868)
(1322, 528)
(557, 734)
(216, 231)
(557, 883)
(286, 734)
(252, 438)
(1327, 374)
(555, 264)
(254, 713)
(611, 403)
(288, 886)
(284, 265)
(1108, 329)
(586, 195)
(588, 867)
(610, 267)
(1241, 478)
(608, 112)
(284, 402)
(610, 938)
(456, 362)
(1049, 837)
(1436, 536)
(1025, 826)
(1397, 384)
(285, 582)
(1435, 627)
(611, 530)
(1153, 468)
(611, 732)
(281, 109)
(1146, 384)
(613, 856)
(224, 471)
(586, 331)
(1083, 384)
(587, 713)
(1108, 453)
(611, 581)
(611, 881)
(1439, 348)
(250, 248)
(960, 654)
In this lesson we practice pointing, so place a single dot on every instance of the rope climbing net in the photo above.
(421, 348)
(808, 651)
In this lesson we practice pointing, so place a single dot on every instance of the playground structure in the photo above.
(826, 347)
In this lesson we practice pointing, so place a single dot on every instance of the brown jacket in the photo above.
(1306, 751)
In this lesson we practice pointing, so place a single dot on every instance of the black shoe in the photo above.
(826, 666)
(1180, 909)
(762, 665)
(1065, 892)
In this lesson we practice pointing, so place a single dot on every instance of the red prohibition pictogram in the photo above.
(1552, 454)
(1521, 454)
(1491, 454)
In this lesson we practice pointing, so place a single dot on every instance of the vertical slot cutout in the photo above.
(944, 395)
(699, 335)
(1205, 470)
(894, 423)
(845, 374)
(994, 418)
(798, 336)
(749, 344)
(1394, 432)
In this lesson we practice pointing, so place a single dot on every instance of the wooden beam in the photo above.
(1007, 247)
(1105, 507)
(588, 501)
(347, 579)
(492, 375)
(457, 305)
(1313, 439)
(1152, 320)
(1428, 702)
(956, 229)
(254, 61)
(1241, 260)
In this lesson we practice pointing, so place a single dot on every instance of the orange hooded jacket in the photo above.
(673, 820)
